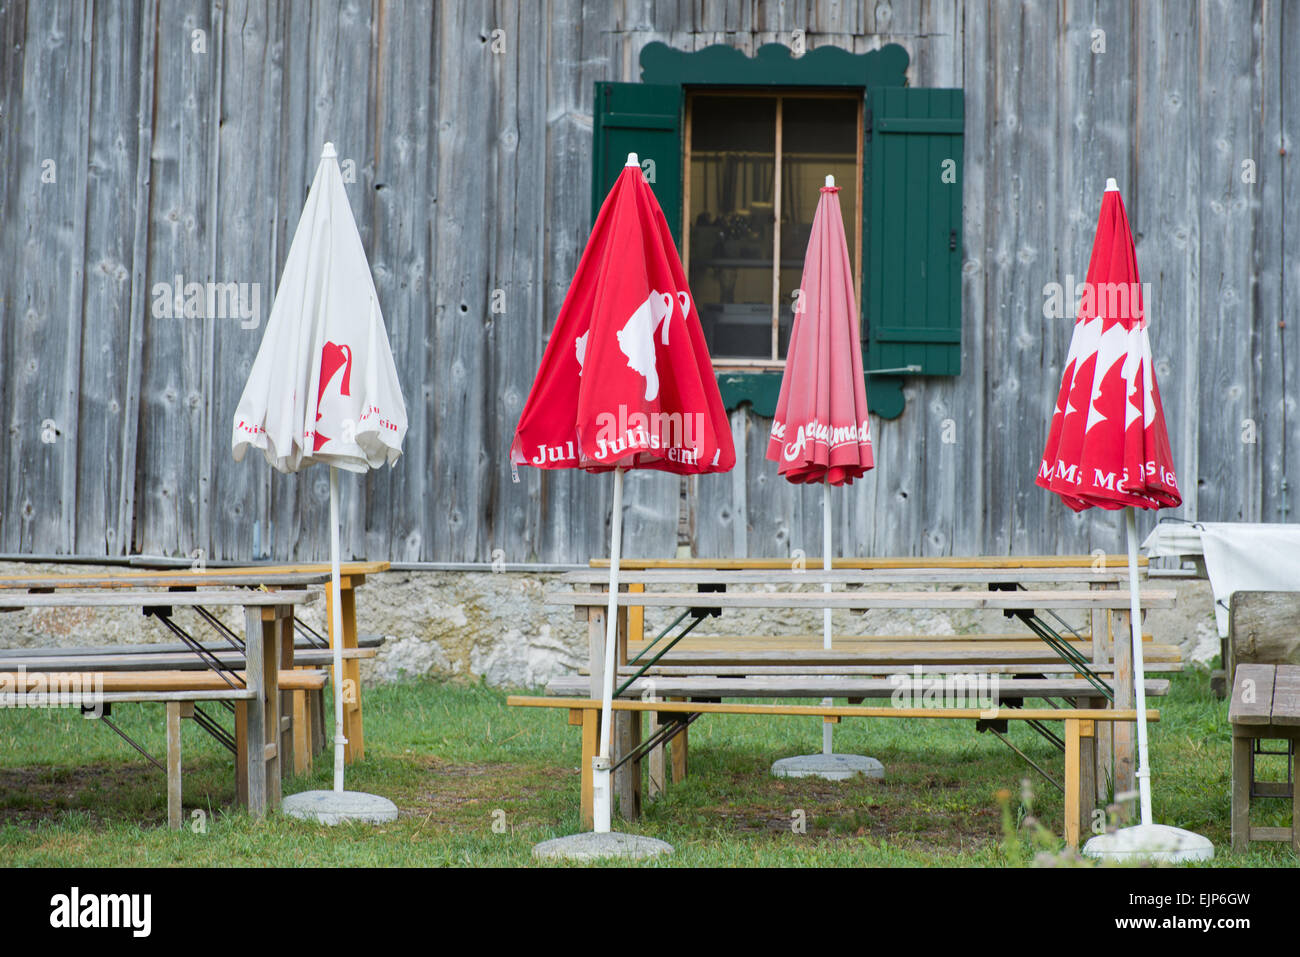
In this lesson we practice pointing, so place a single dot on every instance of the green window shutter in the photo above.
(645, 119)
(912, 234)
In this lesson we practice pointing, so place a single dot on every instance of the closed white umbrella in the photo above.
(323, 388)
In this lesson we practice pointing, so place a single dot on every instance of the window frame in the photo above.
(689, 92)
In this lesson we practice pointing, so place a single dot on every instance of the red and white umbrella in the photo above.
(323, 387)
(821, 432)
(1108, 447)
(625, 382)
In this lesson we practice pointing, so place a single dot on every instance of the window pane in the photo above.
(818, 137)
(732, 166)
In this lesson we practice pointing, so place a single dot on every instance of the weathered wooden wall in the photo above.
(176, 152)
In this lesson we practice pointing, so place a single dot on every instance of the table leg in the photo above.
(590, 747)
(355, 749)
(287, 724)
(1123, 731)
(174, 765)
(271, 705)
(254, 745)
(1072, 781)
(1103, 749)
(680, 750)
(1088, 767)
(627, 780)
(657, 768)
(1241, 746)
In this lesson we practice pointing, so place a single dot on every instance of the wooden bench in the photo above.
(1080, 725)
(260, 715)
(776, 667)
(94, 693)
(309, 724)
(1265, 706)
(353, 575)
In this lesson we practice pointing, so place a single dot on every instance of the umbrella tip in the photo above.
(632, 160)
(1111, 185)
(328, 151)
(830, 180)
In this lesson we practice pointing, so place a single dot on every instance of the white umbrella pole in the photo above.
(1139, 669)
(336, 606)
(602, 796)
(826, 587)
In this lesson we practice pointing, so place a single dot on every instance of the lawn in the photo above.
(479, 783)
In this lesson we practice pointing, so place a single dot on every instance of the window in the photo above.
(754, 165)
(731, 144)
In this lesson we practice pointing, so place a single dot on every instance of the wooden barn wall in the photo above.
(162, 138)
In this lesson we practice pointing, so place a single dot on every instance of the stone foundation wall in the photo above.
(494, 625)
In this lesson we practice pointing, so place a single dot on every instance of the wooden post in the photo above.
(627, 736)
(1241, 747)
(270, 749)
(680, 751)
(254, 744)
(302, 743)
(288, 751)
(355, 749)
(657, 778)
(636, 618)
(1088, 764)
(596, 650)
(1072, 781)
(174, 765)
(590, 747)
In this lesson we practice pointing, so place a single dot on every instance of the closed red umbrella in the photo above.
(625, 382)
(821, 432)
(1108, 448)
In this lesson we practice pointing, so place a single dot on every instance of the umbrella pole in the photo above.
(1139, 668)
(602, 798)
(336, 608)
(826, 612)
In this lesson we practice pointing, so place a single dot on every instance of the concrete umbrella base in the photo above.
(336, 807)
(832, 767)
(1150, 842)
(590, 846)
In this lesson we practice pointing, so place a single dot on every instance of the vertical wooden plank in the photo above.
(403, 147)
(45, 291)
(680, 750)
(174, 765)
(170, 478)
(596, 650)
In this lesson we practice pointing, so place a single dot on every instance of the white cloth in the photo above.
(323, 387)
(1238, 557)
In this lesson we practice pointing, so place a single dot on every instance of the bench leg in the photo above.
(317, 705)
(1088, 765)
(241, 752)
(174, 765)
(1123, 732)
(590, 724)
(1241, 746)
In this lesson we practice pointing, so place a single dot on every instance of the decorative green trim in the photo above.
(885, 396)
(774, 65)
(762, 390)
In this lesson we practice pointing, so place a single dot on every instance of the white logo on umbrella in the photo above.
(637, 336)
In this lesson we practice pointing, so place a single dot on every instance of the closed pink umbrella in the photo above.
(820, 432)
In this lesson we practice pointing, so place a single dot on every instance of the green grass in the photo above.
(457, 761)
